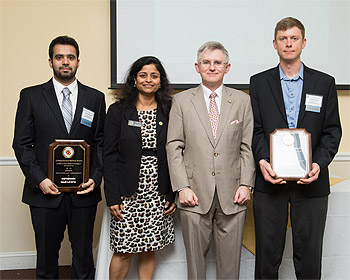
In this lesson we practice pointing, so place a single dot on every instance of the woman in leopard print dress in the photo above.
(137, 183)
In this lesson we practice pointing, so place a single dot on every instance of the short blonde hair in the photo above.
(287, 23)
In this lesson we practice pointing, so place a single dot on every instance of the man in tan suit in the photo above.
(211, 164)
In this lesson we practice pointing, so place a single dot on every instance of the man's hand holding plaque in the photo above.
(269, 174)
(87, 187)
(47, 187)
(312, 176)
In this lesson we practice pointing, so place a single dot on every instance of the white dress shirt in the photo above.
(73, 87)
(207, 92)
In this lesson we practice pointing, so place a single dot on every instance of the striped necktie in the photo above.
(213, 114)
(67, 108)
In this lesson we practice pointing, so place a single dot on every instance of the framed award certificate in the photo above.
(290, 153)
(69, 164)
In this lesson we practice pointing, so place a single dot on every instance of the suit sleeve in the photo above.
(331, 134)
(171, 196)
(175, 146)
(24, 141)
(260, 144)
(246, 155)
(111, 137)
(96, 170)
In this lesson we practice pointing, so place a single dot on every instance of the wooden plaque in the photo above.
(69, 164)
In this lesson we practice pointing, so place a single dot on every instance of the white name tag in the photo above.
(134, 123)
(87, 117)
(313, 103)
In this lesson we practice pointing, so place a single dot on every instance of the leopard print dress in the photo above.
(144, 226)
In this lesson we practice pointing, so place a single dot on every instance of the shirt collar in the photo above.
(59, 87)
(300, 75)
(207, 91)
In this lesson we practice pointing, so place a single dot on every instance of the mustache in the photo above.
(65, 67)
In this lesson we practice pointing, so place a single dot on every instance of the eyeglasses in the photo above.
(217, 64)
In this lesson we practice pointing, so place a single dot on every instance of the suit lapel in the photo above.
(81, 101)
(131, 115)
(226, 106)
(308, 87)
(202, 111)
(51, 98)
(276, 89)
(161, 122)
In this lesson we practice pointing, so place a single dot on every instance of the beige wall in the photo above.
(342, 168)
(26, 28)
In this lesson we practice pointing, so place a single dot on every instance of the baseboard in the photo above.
(23, 260)
(342, 157)
(8, 161)
(17, 260)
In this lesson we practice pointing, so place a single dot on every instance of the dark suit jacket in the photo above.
(269, 113)
(123, 152)
(39, 122)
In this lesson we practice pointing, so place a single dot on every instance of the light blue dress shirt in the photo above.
(292, 90)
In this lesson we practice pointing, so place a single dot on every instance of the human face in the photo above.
(289, 44)
(147, 80)
(64, 63)
(212, 67)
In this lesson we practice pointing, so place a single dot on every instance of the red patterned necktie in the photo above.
(213, 114)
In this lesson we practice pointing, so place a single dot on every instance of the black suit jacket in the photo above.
(123, 152)
(39, 122)
(269, 114)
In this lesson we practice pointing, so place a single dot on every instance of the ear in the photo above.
(50, 62)
(274, 44)
(228, 66)
(304, 42)
(78, 64)
(196, 65)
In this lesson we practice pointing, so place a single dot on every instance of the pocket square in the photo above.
(235, 122)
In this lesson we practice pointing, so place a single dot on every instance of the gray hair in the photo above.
(212, 45)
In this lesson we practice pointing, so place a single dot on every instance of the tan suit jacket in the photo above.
(197, 161)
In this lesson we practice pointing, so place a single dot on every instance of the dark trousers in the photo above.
(308, 218)
(49, 226)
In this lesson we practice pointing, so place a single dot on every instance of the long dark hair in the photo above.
(129, 93)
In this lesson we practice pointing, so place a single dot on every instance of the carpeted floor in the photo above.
(30, 273)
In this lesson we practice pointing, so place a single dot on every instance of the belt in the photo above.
(149, 152)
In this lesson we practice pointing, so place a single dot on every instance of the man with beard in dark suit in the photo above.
(61, 108)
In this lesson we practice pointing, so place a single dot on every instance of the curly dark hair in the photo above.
(129, 93)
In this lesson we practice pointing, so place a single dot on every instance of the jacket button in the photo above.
(216, 154)
(213, 173)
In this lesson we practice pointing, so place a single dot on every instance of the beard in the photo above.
(65, 75)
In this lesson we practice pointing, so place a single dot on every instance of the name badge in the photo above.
(313, 103)
(134, 123)
(87, 117)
